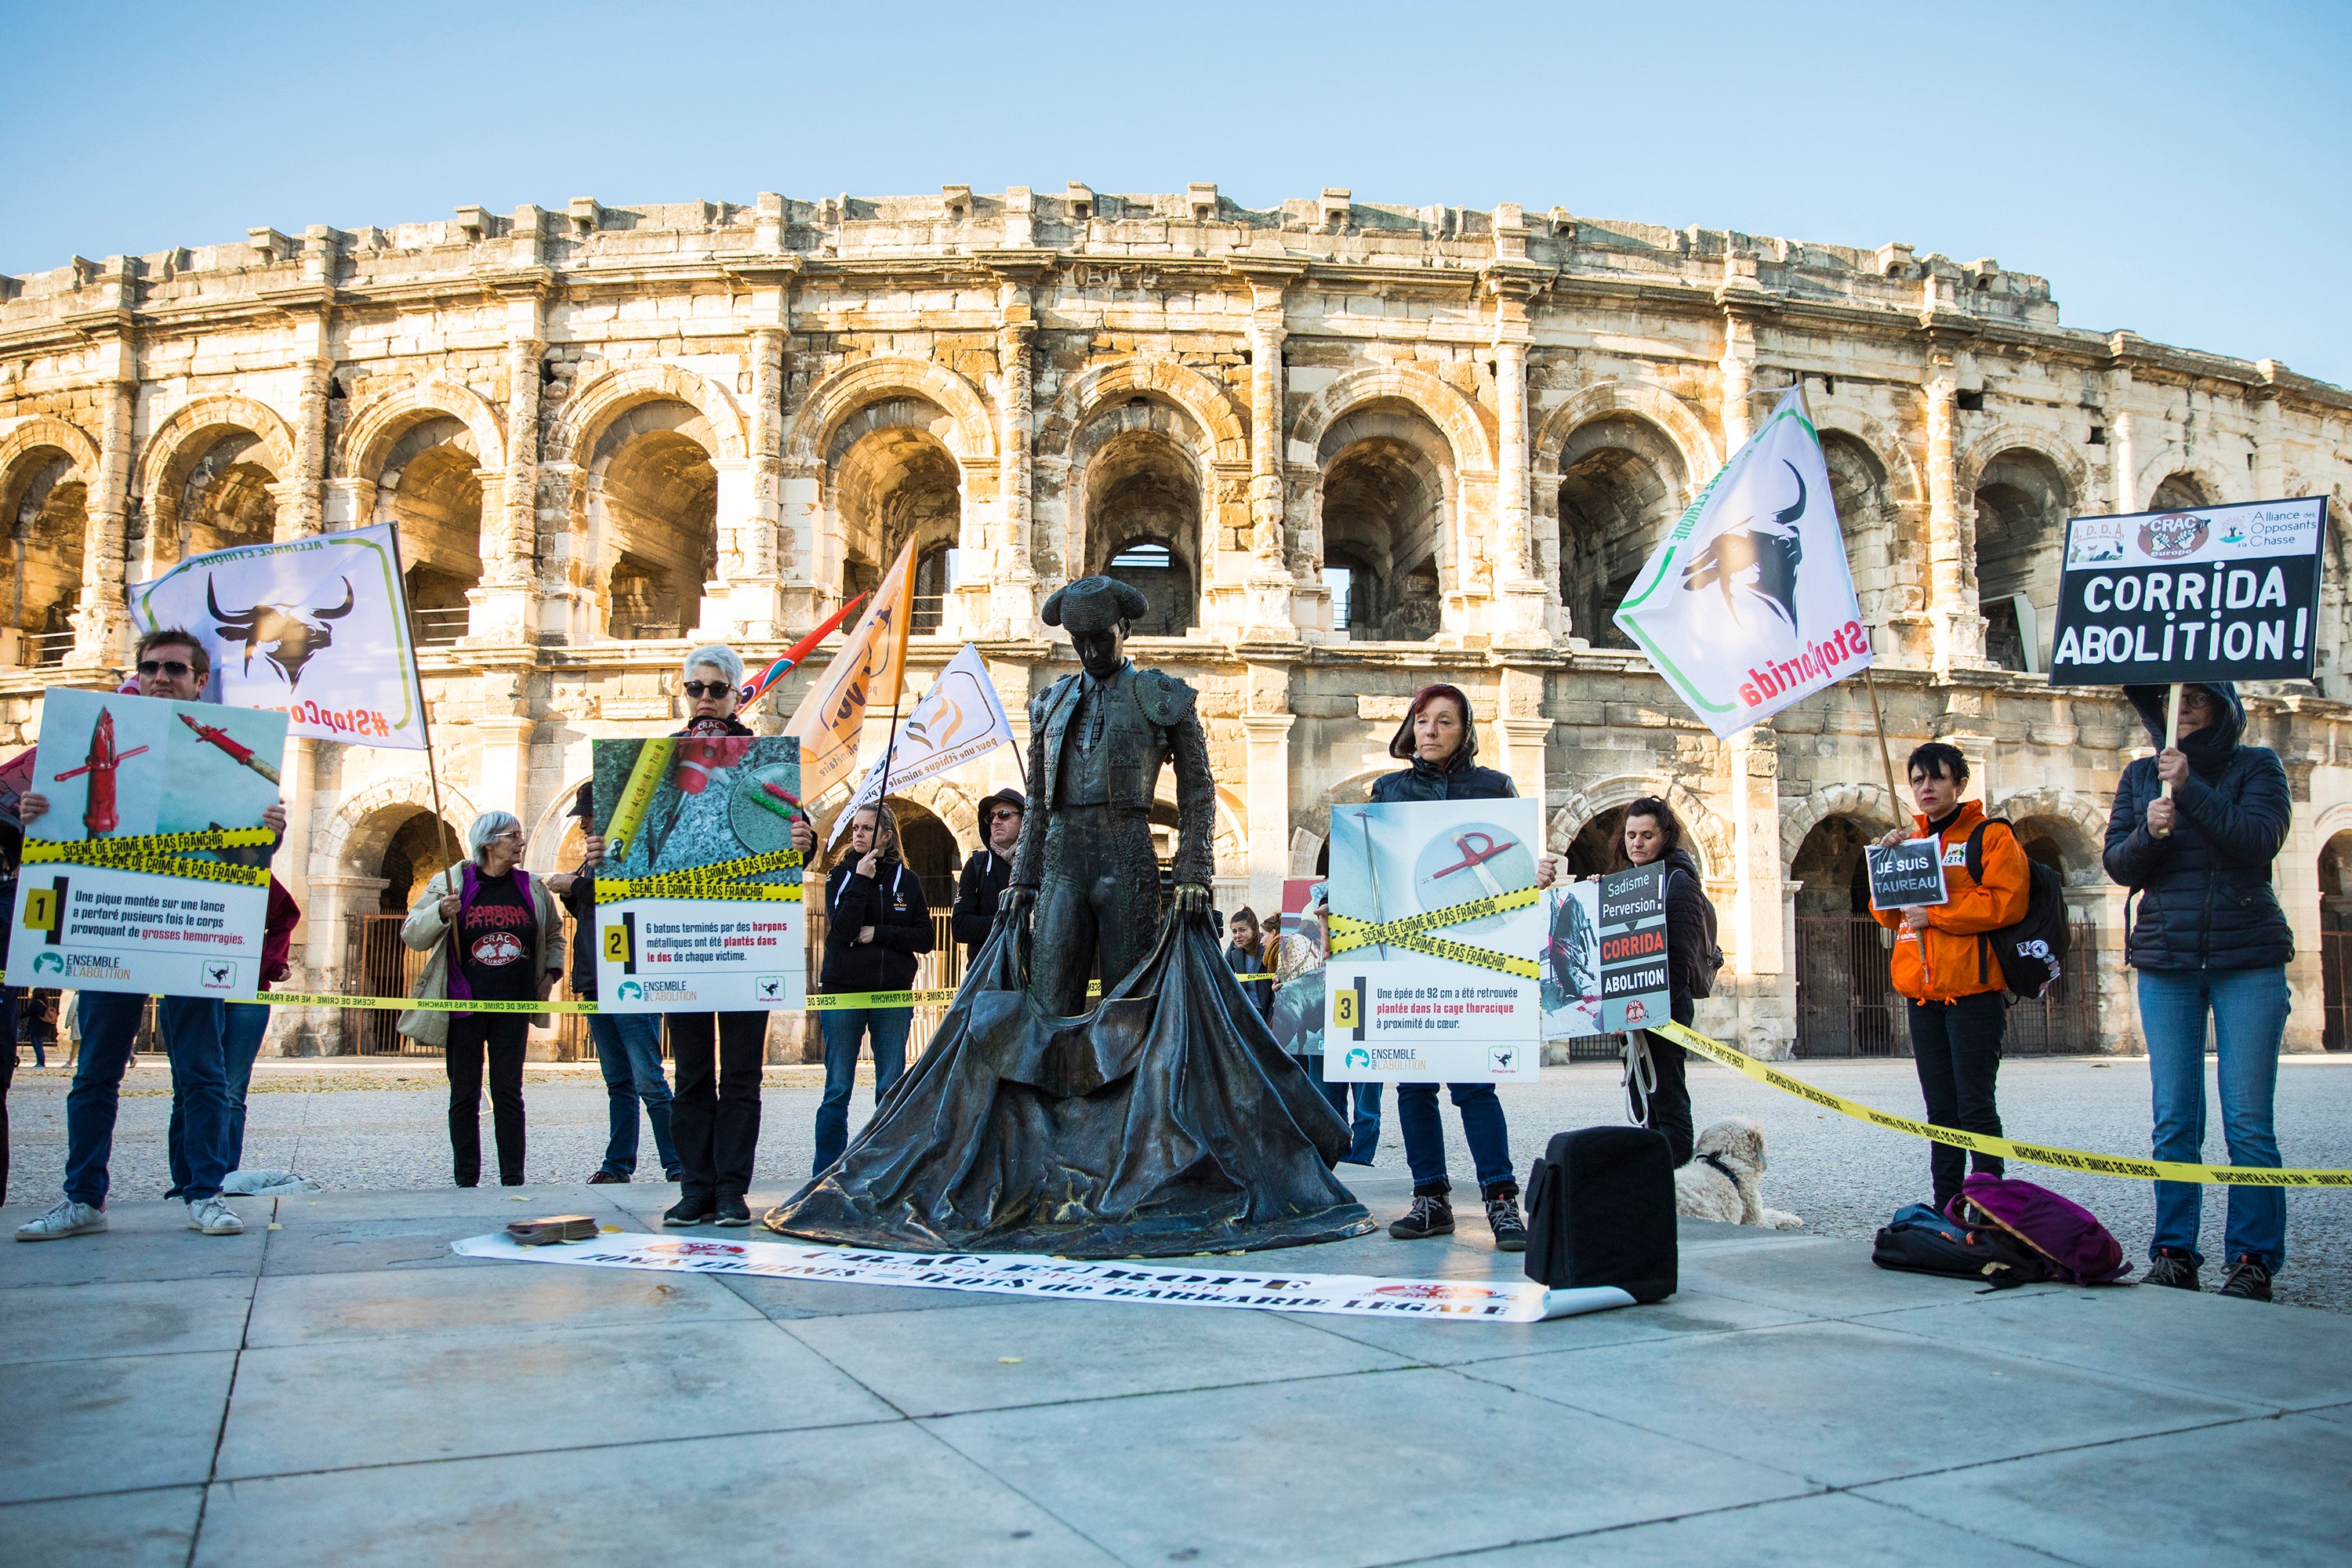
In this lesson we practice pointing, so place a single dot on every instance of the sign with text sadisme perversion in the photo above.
(1635, 990)
(2221, 593)
(1908, 875)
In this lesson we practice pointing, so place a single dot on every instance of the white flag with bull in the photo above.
(960, 720)
(316, 629)
(1750, 606)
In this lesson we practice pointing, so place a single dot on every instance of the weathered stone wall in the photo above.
(611, 429)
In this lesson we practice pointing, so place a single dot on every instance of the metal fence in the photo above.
(1847, 1005)
(2335, 986)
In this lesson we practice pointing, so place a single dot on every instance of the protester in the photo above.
(2211, 945)
(721, 1056)
(243, 1026)
(1246, 955)
(172, 664)
(1944, 962)
(989, 871)
(507, 947)
(1440, 739)
(628, 1045)
(41, 1023)
(876, 924)
(12, 849)
(1652, 834)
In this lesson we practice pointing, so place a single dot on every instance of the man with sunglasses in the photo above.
(989, 870)
(173, 665)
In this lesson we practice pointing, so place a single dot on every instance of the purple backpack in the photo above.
(2069, 1236)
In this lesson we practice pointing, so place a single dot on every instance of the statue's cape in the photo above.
(1165, 1121)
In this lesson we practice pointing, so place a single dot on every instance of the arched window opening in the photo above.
(891, 480)
(1143, 525)
(2336, 940)
(46, 511)
(1621, 484)
(660, 505)
(2183, 491)
(2021, 506)
(1845, 1005)
(428, 486)
(1384, 526)
(1152, 569)
(937, 573)
(226, 500)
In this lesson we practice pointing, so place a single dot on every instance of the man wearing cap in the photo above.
(989, 870)
(1098, 741)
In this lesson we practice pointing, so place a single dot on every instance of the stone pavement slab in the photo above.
(342, 1389)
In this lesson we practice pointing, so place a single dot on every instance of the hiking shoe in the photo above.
(214, 1218)
(733, 1210)
(2247, 1281)
(63, 1218)
(2171, 1268)
(690, 1210)
(605, 1179)
(1430, 1215)
(1503, 1219)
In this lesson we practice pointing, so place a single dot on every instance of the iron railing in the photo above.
(440, 628)
(1847, 1005)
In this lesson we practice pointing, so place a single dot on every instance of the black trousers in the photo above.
(1670, 1105)
(1956, 1046)
(499, 1037)
(714, 1113)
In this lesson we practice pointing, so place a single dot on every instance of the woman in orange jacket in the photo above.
(1944, 961)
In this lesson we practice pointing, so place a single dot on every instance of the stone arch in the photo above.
(365, 822)
(27, 436)
(46, 467)
(1612, 486)
(1903, 484)
(2172, 469)
(2083, 823)
(955, 806)
(600, 399)
(1386, 487)
(2021, 491)
(169, 445)
(377, 424)
(1465, 425)
(1228, 839)
(890, 474)
(2006, 438)
(972, 436)
(1084, 396)
(1142, 483)
(1673, 416)
(1708, 835)
(1865, 803)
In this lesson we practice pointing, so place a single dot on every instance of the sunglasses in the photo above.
(171, 667)
(1007, 814)
(706, 689)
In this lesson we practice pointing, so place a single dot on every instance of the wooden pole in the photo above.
(1885, 758)
(2172, 738)
(424, 709)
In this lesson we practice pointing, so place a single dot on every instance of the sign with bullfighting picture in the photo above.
(699, 897)
(1435, 928)
(315, 628)
(150, 870)
(1571, 962)
(2221, 593)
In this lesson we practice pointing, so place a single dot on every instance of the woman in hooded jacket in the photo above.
(2210, 942)
(1652, 834)
(1440, 739)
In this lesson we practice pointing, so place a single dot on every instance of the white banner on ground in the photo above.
(960, 720)
(1030, 1274)
(1750, 606)
(315, 628)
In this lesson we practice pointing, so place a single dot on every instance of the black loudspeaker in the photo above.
(1601, 1211)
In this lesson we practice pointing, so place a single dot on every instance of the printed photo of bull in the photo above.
(287, 636)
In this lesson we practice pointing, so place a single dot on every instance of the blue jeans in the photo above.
(843, 1030)
(2249, 1008)
(1482, 1128)
(191, 1026)
(1364, 1128)
(242, 1025)
(628, 1047)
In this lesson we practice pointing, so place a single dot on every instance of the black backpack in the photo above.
(2031, 952)
(1601, 1211)
(1918, 1240)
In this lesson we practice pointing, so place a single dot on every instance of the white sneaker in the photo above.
(214, 1218)
(65, 1218)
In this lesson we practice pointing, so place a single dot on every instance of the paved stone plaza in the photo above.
(334, 1386)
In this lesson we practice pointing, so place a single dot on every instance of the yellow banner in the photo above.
(868, 671)
(119, 855)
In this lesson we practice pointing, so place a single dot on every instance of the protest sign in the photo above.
(1297, 1017)
(870, 667)
(315, 628)
(699, 899)
(1910, 875)
(1748, 606)
(150, 871)
(1571, 962)
(1435, 929)
(2222, 592)
(1632, 916)
(960, 720)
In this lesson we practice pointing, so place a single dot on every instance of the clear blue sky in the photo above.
(2179, 170)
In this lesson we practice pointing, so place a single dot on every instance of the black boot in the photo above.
(691, 1209)
(1503, 1219)
(2247, 1281)
(1430, 1215)
(2172, 1268)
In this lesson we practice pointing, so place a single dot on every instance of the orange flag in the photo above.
(869, 669)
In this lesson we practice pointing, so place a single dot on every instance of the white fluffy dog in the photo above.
(1719, 1182)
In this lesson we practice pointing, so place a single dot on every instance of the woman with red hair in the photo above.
(1440, 739)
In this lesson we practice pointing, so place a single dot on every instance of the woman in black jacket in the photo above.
(2210, 941)
(1441, 740)
(1652, 833)
(876, 922)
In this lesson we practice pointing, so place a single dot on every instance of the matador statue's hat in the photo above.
(1095, 605)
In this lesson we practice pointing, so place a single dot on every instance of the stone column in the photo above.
(1269, 795)
(100, 621)
(1951, 601)
(302, 494)
(1519, 713)
(503, 607)
(1738, 368)
(757, 589)
(2270, 435)
(1767, 1003)
(1276, 604)
(333, 899)
(1521, 601)
(299, 789)
(998, 590)
(506, 763)
(2122, 478)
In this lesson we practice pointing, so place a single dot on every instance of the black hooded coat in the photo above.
(2205, 899)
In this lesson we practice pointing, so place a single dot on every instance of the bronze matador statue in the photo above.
(1160, 1120)
(1098, 741)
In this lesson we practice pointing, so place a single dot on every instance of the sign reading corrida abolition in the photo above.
(2223, 592)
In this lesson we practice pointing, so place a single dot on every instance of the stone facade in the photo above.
(1347, 449)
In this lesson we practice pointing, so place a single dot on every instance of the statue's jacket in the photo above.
(1149, 721)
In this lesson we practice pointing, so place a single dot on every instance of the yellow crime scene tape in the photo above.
(1411, 933)
(2002, 1148)
(158, 854)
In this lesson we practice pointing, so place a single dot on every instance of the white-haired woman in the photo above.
(508, 944)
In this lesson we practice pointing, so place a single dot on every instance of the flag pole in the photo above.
(1885, 758)
(424, 709)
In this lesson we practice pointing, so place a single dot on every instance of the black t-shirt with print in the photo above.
(497, 940)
